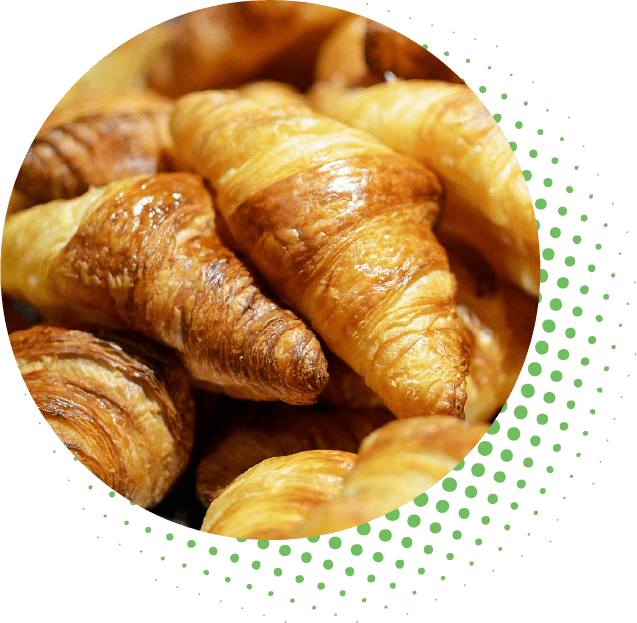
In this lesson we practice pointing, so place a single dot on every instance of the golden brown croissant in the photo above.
(65, 161)
(119, 403)
(500, 318)
(395, 464)
(340, 226)
(272, 499)
(266, 430)
(106, 103)
(143, 253)
(388, 51)
(446, 127)
(228, 45)
(360, 52)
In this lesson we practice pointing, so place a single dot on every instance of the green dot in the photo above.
(356, 550)
(485, 448)
(583, 218)
(518, 125)
(556, 376)
(299, 579)
(335, 542)
(540, 204)
(478, 542)
(191, 543)
(504, 96)
(563, 354)
(471, 492)
(527, 175)
(406, 542)
(570, 261)
(169, 537)
(284, 550)
(327, 564)
(541, 347)
(263, 544)
(535, 369)
(570, 404)
(577, 311)
(256, 565)
(528, 462)
(486, 520)
(371, 578)
(482, 89)
(442, 506)
(592, 339)
(495, 427)
(548, 326)
(363, 529)
(540, 132)
(554, 160)
(521, 484)
(234, 558)
(463, 513)
(492, 498)
(306, 557)
(278, 572)
(378, 557)
(533, 153)
(535, 441)
(393, 516)
(147, 530)
(548, 254)
(555, 304)
(313, 539)
(477, 470)
(449, 484)
(428, 549)
(421, 500)
(506, 455)
(513, 433)
(562, 211)
(527, 390)
(399, 564)
(577, 382)
(548, 182)
(435, 527)
(543, 275)
(213, 551)
(513, 145)
(384, 535)
(520, 412)
(499, 477)
(413, 521)
(569, 189)
(542, 419)
(549, 397)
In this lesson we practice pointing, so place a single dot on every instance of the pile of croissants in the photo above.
(272, 260)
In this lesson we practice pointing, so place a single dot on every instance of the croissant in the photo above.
(228, 45)
(267, 430)
(64, 162)
(360, 52)
(106, 103)
(395, 464)
(387, 51)
(340, 226)
(446, 127)
(119, 403)
(272, 499)
(500, 318)
(142, 253)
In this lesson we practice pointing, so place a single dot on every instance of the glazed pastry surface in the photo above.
(272, 499)
(446, 127)
(268, 430)
(142, 253)
(120, 404)
(340, 226)
(396, 463)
